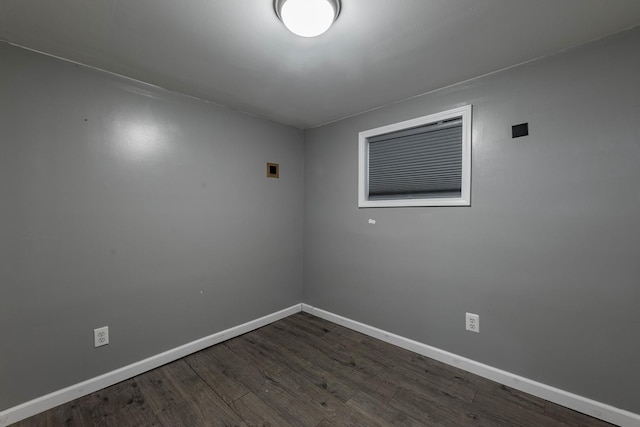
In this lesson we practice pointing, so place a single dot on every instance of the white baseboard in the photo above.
(41, 404)
(578, 403)
(581, 404)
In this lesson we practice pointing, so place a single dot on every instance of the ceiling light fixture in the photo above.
(307, 18)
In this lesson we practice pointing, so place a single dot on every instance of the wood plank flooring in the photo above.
(305, 371)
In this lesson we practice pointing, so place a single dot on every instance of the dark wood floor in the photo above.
(304, 371)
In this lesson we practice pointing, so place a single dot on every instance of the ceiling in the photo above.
(238, 54)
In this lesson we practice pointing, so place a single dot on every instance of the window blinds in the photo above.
(422, 162)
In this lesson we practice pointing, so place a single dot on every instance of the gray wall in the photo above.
(547, 254)
(128, 206)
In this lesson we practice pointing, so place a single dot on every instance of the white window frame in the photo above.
(363, 157)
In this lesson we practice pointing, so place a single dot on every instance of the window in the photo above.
(419, 162)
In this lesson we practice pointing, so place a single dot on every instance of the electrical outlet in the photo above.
(473, 322)
(101, 336)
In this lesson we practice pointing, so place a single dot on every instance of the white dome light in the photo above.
(307, 18)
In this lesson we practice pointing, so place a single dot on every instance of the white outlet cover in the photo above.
(472, 322)
(101, 336)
